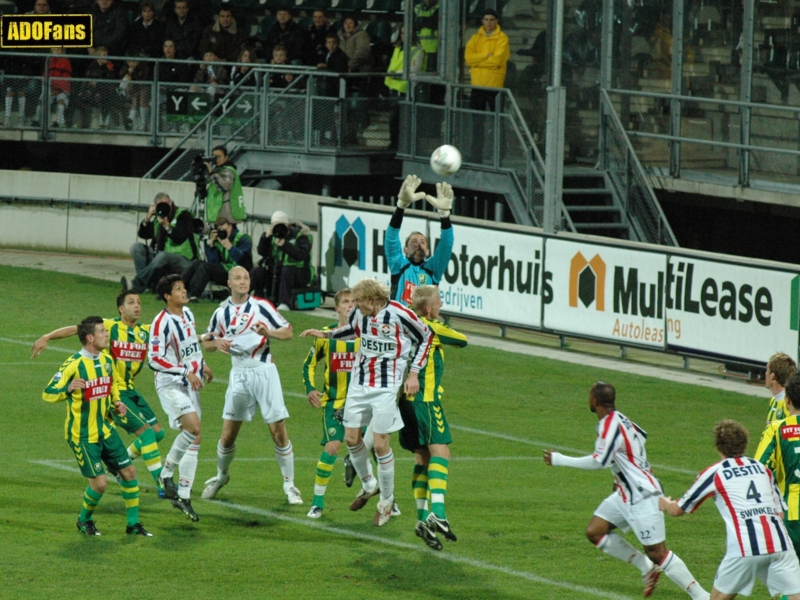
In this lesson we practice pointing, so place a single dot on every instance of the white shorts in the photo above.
(780, 572)
(367, 405)
(644, 518)
(178, 400)
(249, 389)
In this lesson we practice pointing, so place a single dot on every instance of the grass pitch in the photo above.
(520, 524)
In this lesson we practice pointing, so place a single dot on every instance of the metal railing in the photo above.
(493, 141)
(629, 180)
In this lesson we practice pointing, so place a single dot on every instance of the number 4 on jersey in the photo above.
(752, 492)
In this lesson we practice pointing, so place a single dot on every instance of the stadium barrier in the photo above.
(631, 294)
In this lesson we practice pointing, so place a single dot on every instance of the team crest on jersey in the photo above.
(57, 377)
(331, 431)
(423, 279)
(97, 466)
(386, 330)
(155, 341)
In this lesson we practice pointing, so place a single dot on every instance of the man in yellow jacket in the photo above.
(487, 54)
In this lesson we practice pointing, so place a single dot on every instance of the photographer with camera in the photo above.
(172, 246)
(224, 189)
(227, 247)
(285, 249)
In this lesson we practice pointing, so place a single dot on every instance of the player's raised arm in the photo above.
(40, 344)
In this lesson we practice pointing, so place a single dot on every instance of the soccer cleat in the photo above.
(650, 579)
(185, 506)
(314, 513)
(293, 495)
(443, 527)
(384, 512)
(349, 472)
(363, 497)
(87, 527)
(168, 485)
(423, 531)
(137, 529)
(213, 485)
(396, 510)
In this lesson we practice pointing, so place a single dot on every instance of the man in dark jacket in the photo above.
(223, 38)
(227, 247)
(110, 26)
(288, 34)
(185, 30)
(315, 38)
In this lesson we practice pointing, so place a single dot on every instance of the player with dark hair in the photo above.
(339, 357)
(426, 432)
(128, 350)
(634, 503)
(751, 506)
(780, 368)
(86, 382)
(174, 354)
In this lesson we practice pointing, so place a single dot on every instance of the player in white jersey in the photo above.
(634, 502)
(174, 354)
(752, 508)
(392, 338)
(243, 326)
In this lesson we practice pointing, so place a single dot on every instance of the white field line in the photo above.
(365, 537)
(72, 350)
(457, 459)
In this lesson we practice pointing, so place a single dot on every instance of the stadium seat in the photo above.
(385, 5)
(380, 32)
(304, 23)
(265, 25)
(348, 5)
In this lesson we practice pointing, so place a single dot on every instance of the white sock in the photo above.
(676, 570)
(9, 106)
(224, 458)
(285, 458)
(616, 546)
(179, 447)
(132, 114)
(386, 475)
(60, 114)
(188, 466)
(359, 456)
(21, 101)
(144, 115)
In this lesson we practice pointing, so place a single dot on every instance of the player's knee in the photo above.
(332, 448)
(594, 535)
(128, 473)
(656, 553)
(99, 484)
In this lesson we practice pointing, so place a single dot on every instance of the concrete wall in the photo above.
(90, 228)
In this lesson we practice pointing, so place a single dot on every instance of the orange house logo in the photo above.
(587, 281)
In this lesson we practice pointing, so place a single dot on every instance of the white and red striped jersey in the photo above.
(390, 341)
(620, 446)
(173, 350)
(746, 497)
(237, 323)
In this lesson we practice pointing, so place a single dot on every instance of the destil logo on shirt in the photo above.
(97, 388)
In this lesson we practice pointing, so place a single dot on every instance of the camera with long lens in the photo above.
(222, 234)
(199, 173)
(280, 231)
(163, 209)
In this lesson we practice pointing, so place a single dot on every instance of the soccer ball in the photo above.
(445, 160)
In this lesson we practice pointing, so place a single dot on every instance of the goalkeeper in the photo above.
(413, 265)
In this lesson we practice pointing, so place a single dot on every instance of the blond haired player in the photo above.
(780, 369)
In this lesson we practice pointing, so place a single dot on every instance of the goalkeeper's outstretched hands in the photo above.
(408, 192)
(443, 200)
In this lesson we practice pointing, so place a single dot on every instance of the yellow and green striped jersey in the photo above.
(88, 409)
(430, 376)
(779, 449)
(340, 356)
(128, 347)
(777, 409)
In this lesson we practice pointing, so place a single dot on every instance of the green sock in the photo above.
(90, 501)
(148, 448)
(419, 484)
(159, 435)
(130, 495)
(437, 481)
(324, 470)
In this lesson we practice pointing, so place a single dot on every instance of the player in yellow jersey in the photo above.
(426, 432)
(128, 349)
(780, 369)
(779, 449)
(339, 357)
(86, 382)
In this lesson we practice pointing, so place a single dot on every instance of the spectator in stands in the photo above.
(224, 38)
(172, 71)
(110, 26)
(185, 30)
(24, 72)
(356, 45)
(95, 95)
(238, 73)
(227, 247)
(397, 85)
(202, 9)
(135, 90)
(173, 244)
(426, 27)
(316, 34)
(487, 55)
(211, 76)
(225, 197)
(60, 72)
(278, 79)
(147, 32)
(288, 34)
(285, 249)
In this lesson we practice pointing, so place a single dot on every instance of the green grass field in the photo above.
(520, 525)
